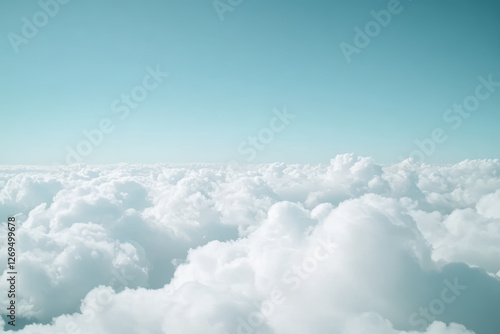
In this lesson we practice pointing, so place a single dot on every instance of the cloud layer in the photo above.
(350, 247)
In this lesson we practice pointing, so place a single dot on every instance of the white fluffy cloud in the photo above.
(350, 247)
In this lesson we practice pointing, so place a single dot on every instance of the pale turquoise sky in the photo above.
(226, 77)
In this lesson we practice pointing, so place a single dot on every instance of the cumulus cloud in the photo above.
(349, 247)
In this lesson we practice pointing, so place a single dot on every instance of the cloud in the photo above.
(347, 247)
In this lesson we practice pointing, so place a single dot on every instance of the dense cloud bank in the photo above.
(350, 247)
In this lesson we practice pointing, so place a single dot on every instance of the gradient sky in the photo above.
(226, 77)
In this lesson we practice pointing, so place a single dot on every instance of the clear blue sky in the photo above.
(226, 77)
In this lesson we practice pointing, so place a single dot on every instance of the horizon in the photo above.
(250, 164)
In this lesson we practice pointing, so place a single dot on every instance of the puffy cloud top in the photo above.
(351, 247)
